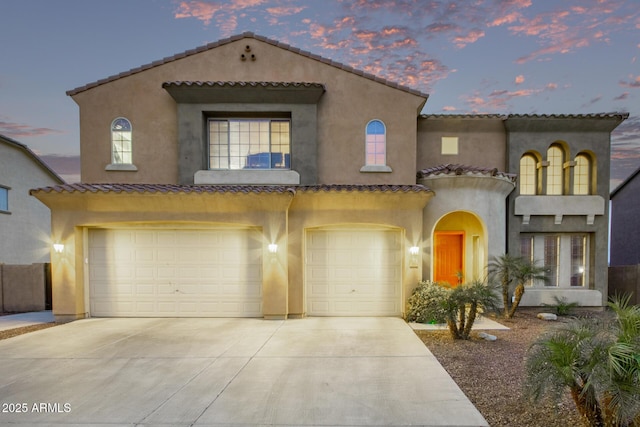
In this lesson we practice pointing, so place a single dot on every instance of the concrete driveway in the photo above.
(228, 372)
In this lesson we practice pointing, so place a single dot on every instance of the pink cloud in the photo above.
(634, 82)
(223, 13)
(200, 10)
(285, 11)
(519, 79)
(18, 130)
(449, 108)
(471, 37)
(622, 96)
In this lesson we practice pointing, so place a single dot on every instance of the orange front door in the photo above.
(448, 257)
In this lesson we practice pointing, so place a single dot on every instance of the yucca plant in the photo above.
(597, 361)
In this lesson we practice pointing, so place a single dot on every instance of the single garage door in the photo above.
(353, 272)
(175, 273)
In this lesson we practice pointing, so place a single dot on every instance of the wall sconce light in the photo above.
(273, 248)
(413, 259)
(58, 247)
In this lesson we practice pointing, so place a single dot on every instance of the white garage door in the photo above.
(353, 272)
(175, 273)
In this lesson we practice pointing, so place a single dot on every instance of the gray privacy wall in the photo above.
(25, 287)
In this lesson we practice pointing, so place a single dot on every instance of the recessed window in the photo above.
(551, 249)
(376, 143)
(555, 169)
(121, 142)
(4, 199)
(449, 145)
(581, 175)
(528, 174)
(578, 259)
(249, 144)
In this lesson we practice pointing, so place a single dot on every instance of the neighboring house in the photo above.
(25, 223)
(250, 178)
(625, 222)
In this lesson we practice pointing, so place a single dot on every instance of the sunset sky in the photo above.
(475, 56)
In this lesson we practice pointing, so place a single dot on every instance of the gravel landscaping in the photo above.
(492, 374)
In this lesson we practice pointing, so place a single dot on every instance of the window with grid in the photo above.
(551, 249)
(554, 170)
(581, 175)
(526, 252)
(121, 142)
(528, 174)
(578, 260)
(4, 199)
(376, 143)
(249, 144)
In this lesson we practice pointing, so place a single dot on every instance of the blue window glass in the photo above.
(376, 142)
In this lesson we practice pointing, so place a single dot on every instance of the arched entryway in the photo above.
(459, 248)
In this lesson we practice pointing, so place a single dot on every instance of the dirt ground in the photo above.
(491, 374)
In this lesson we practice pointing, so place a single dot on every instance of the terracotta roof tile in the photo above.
(235, 38)
(244, 84)
(224, 189)
(622, 116)
(455, 169)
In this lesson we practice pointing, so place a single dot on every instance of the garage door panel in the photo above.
(353, 272)
(152, 273)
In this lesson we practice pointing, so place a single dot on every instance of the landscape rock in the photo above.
(547, 316)
(486, 336)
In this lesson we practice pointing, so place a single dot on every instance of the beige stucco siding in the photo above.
(349, 103)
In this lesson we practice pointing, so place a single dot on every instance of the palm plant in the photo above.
(597, 361)
(514, 272)
(463, 304)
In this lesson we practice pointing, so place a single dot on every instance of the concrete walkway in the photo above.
(228, 372)
(13, 321)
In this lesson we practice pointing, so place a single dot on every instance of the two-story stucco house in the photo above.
(25, 223)
(250, 178)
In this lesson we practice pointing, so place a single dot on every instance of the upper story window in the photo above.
(376, 143)
(4, 199)
(555, 168)
(449, 145)
(582, 175)
(249, 144)
(121, 142)
(528, 174)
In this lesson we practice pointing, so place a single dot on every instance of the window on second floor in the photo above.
(249, 143)
(449, 145)
(582, 175)
(528, 175)
(376, 141)
(121, 142)
(4, 199)
(555, 170)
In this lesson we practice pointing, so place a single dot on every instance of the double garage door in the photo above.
(218, 273)
(175, 273)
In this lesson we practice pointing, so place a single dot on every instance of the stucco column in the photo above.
(275, 281)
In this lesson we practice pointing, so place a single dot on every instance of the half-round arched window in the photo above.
(555, 175)
(376, 141)
(121, 142)
(582, 175)
(528, 174)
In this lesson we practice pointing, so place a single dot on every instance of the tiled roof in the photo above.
(362, 188)
(245, 84)
(240, 37)
(224, 189)
(161, 188)
(454, 169)
(527, 116)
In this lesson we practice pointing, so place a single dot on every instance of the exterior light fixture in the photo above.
(413, 259)
(273, 248)
(58, 247)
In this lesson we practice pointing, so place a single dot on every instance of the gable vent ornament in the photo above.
(244, 56)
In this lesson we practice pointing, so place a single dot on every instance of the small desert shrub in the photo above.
(562, 306)
(426, 304)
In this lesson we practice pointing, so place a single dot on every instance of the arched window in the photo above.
(121, 142)
(582, 175)
(555, 178)
(528, 174)
(376, 143)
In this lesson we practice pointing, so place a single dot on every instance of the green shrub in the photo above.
(562, 306)
(427, 303)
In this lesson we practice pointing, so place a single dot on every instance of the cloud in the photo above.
(63, 165)
(449, 108)
(200, 10)
(19, 130)
(623, 96)
(519, 79)
(471, 37)
(592, 101)
(285, 11)
(634, 82)
(225, 13)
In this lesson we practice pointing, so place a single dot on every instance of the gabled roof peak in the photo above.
(245, 35)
